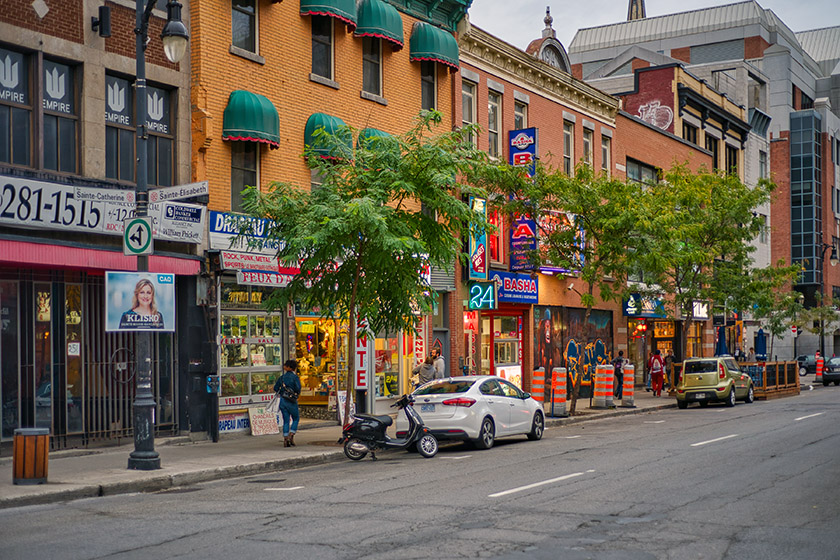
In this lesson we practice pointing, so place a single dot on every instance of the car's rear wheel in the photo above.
(487, 435)
(732, 399)
(682, 405)
(537, 427)
(750, 395)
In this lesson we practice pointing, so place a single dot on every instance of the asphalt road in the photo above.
(757, 481)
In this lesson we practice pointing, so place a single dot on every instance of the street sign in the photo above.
(137, 236)
(793, 329)
(179, 192)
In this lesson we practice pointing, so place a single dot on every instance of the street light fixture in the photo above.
(174, 38)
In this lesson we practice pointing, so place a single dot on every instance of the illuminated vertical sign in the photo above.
(478, 243)
(362, 355)
(523, 149)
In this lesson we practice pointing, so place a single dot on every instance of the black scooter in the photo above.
(366, 433)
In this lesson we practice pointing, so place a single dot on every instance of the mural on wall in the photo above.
(559, 342)
(660, 116)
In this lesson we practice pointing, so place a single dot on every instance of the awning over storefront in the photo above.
(432, 43)
(344, 10)
(22, 254)
(250, 117)
(332, 125)
(382, 20)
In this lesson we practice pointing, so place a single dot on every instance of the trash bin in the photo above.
(31, 454)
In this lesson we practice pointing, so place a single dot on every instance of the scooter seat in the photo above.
(386, 420)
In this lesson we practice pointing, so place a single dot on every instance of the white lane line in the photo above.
(570, 437)
(458, 458)
(282, 489)
(713, 440)
(656, 422)
(809, 416)
(536, 484)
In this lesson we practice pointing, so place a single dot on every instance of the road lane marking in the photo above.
(536, 484)
(458, 458)
(806, 417)
(655, 422)
(282, 489)
(570, 437)
(713, 440)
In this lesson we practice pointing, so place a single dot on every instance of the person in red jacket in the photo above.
(656, 366)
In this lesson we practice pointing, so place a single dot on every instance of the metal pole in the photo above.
(144, 457)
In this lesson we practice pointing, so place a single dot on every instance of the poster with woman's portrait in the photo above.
(139, 301)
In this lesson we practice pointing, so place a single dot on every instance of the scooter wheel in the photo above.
(355, 449)
(427, 446)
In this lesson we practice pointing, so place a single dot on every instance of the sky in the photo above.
(518, 22)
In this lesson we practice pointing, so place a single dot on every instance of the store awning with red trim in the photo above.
(251, 117)
(381, 20)
(22, 253)
(432, 43)
(344, 10)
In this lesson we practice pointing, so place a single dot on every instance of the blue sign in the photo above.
(523, 242)
(638, 306)
(515, 288)
(523, 147)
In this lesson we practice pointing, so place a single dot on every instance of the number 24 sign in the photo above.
(483, 295)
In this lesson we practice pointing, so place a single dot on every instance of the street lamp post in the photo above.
(174, 38)
(833, 259)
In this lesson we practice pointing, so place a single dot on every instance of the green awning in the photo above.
(382, 20)
(367, 135)
(324, 146)
(432, 43)
(345, 10)
(250, 117)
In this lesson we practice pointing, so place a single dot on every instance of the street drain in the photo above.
(180, 490)
(267, 480)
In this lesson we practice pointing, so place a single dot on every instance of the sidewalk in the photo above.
(84, 473)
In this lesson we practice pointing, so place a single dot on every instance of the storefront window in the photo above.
(387, 365)
(315, 351)
(251, 345)
(43, 356)
(73, 348)
(694, 342)
(499, 335)
(663, 329)
(9, 340)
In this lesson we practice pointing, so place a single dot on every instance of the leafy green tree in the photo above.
(823, 318)
(583, 223)
(770, 300)
(386, 209)
(693, 239)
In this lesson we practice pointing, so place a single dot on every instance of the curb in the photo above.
(554, 422)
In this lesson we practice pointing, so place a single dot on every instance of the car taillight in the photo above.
(721, 372)
(460, 401)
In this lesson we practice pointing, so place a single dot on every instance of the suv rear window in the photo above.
(444, 387)
(701, 366)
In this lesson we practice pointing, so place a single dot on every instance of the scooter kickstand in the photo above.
(373, 456)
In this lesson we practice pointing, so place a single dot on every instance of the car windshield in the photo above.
(701, 366)
(446, 387)
(834, 362)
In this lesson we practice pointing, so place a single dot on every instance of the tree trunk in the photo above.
(351, 343)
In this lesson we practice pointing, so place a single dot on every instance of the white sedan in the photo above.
(477, 408)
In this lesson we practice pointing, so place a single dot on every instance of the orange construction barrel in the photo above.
(820, 365)
(558, 392)
(538, 385)
(627, 391)
(30, 455)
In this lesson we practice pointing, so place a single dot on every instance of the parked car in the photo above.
(476, 408)
(807, 364)
(718, 379)
(832, 371)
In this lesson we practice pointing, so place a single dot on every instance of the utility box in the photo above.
(31, 456)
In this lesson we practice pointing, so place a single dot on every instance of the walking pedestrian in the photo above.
(287, 388)
(618, 367)
(657, 373)
(669, 369)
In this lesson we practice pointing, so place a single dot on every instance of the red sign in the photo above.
(362, 357)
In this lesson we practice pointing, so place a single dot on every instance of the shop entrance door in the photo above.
(501, 339)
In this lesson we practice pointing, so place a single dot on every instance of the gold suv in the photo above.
(717, 379)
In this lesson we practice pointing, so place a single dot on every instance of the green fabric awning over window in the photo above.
(345, 10)
(367, 134)
(382, 20)
(432, 43)
(331, 125)
(250, 117)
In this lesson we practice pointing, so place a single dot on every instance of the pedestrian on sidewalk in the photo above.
(287, 388)
(669, 369)
(657, 373)
(440, 365)
(425, 371)
(618, 381)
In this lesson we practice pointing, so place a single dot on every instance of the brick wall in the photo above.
(754, 47)
(780, 204)
(285, 45)
(123, 39)
(64, 19)
(682, 53)
(655, 87)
